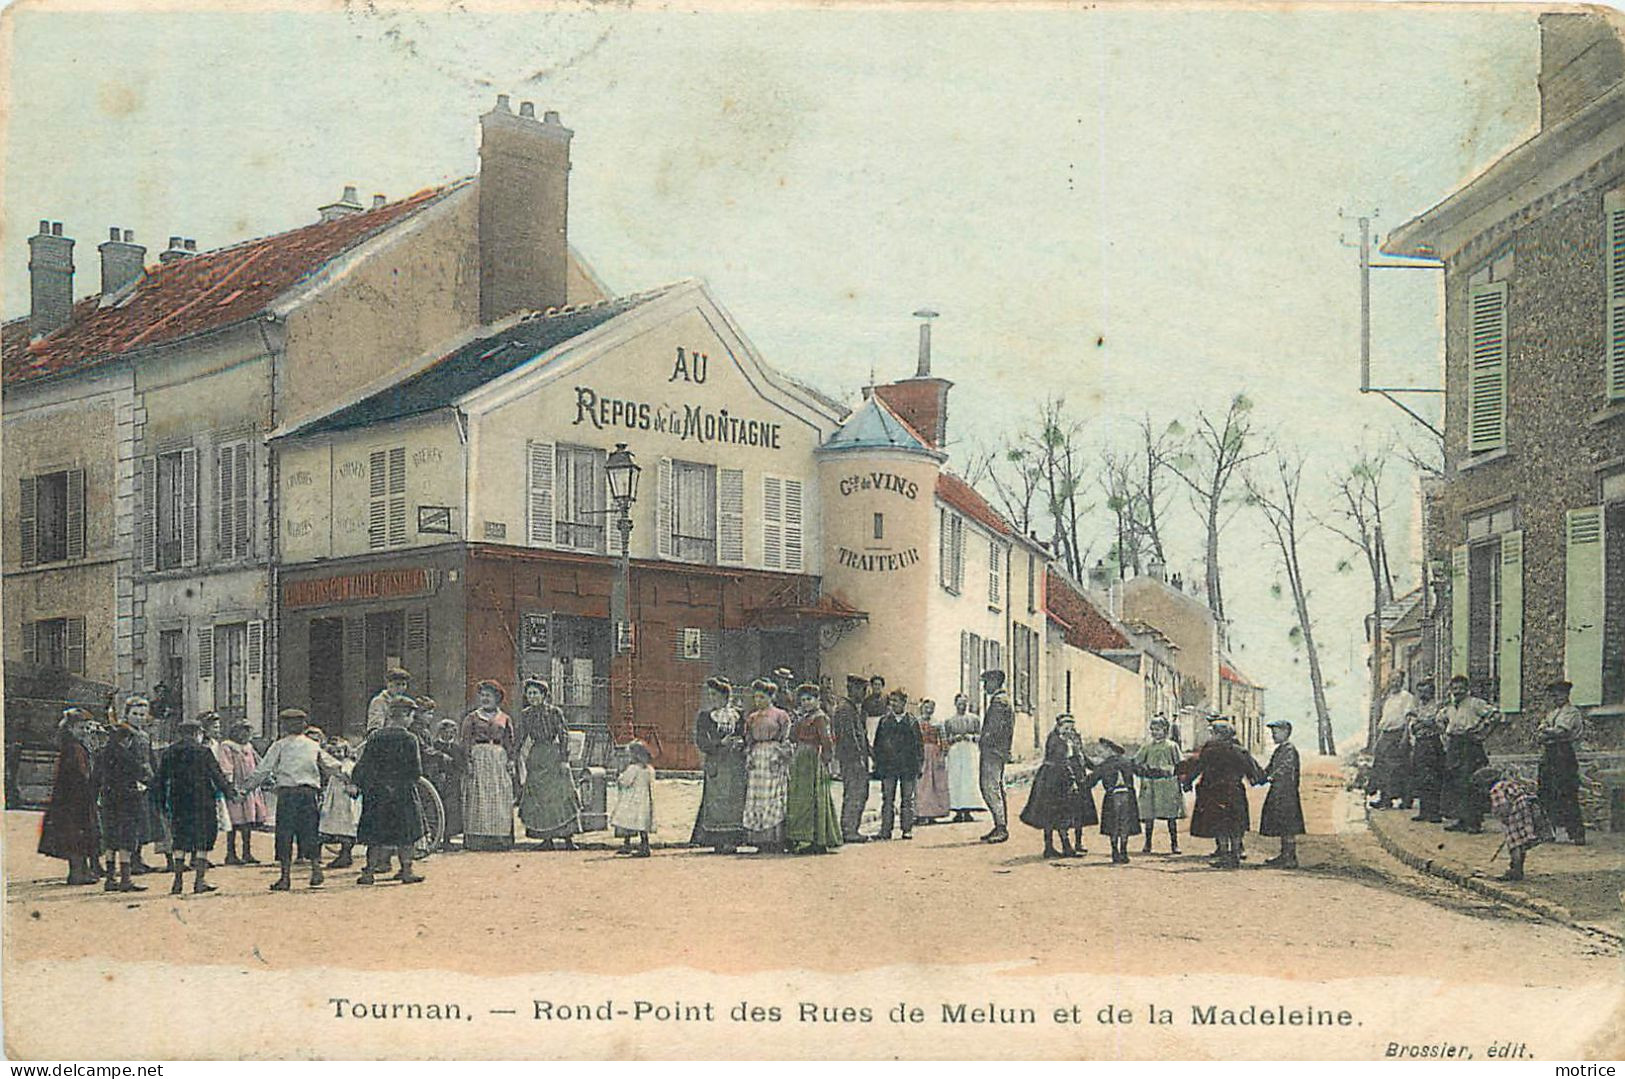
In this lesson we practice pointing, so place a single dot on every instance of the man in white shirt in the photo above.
(1390, 765)
(397, 680)
(295, 766)
(1559, 776)
(1468, 719)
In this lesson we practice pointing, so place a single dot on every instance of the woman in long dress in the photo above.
(1058, 801)
(70, 829)
(962, 731)
(548, 803)
(719, 735)
(812, 825)
(488, 736)
(767, 769)
(931, 795)
(1160, 796)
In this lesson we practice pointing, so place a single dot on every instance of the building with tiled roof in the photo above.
(135, 418)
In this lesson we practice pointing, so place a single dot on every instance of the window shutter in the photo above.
(731, 516)
(959, 552)
(355, 638)
(31, 643)
(1487, 368)
(254, 672)
(75, 645)
(1614, 245)
(1511, 695)
(944, 552)
(76, 513)
(539, 493)
(225, 522)
(377, 500)
(189, 518)
(417, 645)
(149, 513)
(205, 668)
(772, 522)
(792, 526)
(995, 579)
(1458, 610)
(1583, 609)
(244, 470)
(28, 520)
(397, 496)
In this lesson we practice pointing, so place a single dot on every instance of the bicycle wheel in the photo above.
(434, 818)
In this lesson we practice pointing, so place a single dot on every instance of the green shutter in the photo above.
(1511, 622)
(1614, 258)
(1458, 610)
(1583, 612)
(1487, 368)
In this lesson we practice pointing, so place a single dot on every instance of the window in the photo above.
(386, 504)
(951, 550)
(1487, 615)
(880, 526)
(57, 643)
(1032, 583)
(970, 667)
(1024, 665)
(172, 665)
(694, 512)
(995, 575)
(1484, 613)
(580, 498)
(1614, 249)
(51, 517)
(230, 674)
(1487, 367)
(782, 524)
(232, 496)
(992, 656)
(170, 517)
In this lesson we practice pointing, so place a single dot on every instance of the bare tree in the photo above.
(1276, 494)
(1015, 480)
(1158, 447)
(1357, 518)
(977, 466)
(1057, 455)
(1118, 481)
(1211, 459)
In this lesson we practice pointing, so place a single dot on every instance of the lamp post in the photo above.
(622, 471)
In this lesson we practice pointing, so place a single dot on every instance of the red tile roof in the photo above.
(191, 295)
(964, 498)
(1230, 674)
(1082, 625)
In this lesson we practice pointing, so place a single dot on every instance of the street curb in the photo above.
(1487, 888)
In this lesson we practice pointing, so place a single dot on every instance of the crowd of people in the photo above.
(768, 782)
(1431, 756)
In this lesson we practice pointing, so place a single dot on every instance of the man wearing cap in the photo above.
(785, 698)
(396, 683)
(387, 775)
(1282, 814)
(1467, 719)
(123, 769)
(998, 731)
(189, 785)
(852, 759)
(898, 754)
(296, 767)
(873, 706)
(1559, 777)
(1390, 765)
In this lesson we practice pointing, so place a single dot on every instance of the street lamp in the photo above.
(622, 471)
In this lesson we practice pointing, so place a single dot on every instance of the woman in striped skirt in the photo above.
(488, 736)
(767, 769)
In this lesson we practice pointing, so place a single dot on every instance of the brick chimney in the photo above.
(922, 401)
(1581, 58)
(50, 279)
(347, 204)
(179, 248)
(524, 196)
(123, 260)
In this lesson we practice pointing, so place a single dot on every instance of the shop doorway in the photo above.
(386, 645)
(580, 669)
(327, 671)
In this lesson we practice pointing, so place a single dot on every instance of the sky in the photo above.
(1145, 210)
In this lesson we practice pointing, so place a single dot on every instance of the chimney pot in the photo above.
(377, 202)
(502, 103)
(527, 108)
(129, 236)
(349, 193)
(174, 243)
(112, 234)
(551, 116)
(56, 228)
(191, 245)
(44, 227)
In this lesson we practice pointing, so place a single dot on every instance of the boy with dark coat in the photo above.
(387, 775)
(1219, 772)
(189, 781)
(123, 770)
(1282, 814)
(70, 829)
(899, 754)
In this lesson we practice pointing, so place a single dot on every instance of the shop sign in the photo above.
(686, 422)
(888, 562)
(879, 481)
(534, 632)
(358, 587)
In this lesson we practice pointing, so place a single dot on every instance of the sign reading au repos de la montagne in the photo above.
(686, 422)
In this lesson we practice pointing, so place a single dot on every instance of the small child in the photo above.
(340, 805)
(1516, 805)
(246, 812)
(1160, 796)
(634, 815)
(1119, 809)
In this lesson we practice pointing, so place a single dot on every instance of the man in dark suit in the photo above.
(852, 758)
(998, 731)
(899, 754)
